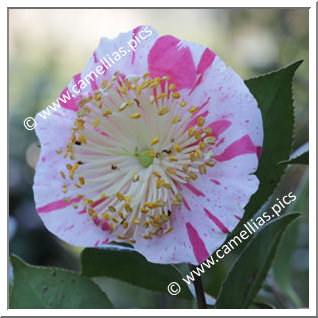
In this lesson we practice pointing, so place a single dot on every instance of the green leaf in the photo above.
(46, 287)
(302, 159)
(246, 276)
(273, 93)
(127, 265)
(258, 305)
(283, 262)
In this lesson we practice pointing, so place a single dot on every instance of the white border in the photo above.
(312, 181)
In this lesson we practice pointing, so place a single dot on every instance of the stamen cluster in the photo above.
(133, 143)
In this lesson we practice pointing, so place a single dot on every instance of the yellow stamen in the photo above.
(193, 109)
(151, 153)
(120, 196)
(106, 216)
(191, 131)
(104, 84)
(202, 145)
(207, 130)
(111, 208)
(73, 170)
(201, 121)
(210, 140)
(135, 115)
(172, 158)
(168, 230)
(176, 119)
(82, 139)
(96, 123)
(198, 135)
(183, 103)
(171, 170)
(157, 174)
(136, 221)
(172, 87)
(178, 148)
(125, 224)
(123, 106)
(107, 112)
(81, 180)
(163, 111)
(193, 158)
(128, 207)
(154, 140)
(166, 185)
(198, 153)
(144, 210)
(202, 169)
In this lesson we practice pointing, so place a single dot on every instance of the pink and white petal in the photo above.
(53, 132)
(69, 224)
(65, 222)
(169, 57)
(119, 57)
(219, 92)
(231, 109)
(213, 206)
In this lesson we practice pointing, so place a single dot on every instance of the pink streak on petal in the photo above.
(71, 103)
(239, 147)
(105, 226)
(69, 227)
(96, 221)
(96, 243)
(135, 31)
(216, 221)
(76, 79)
(105, 241)
(205, 103)
(206, 60)
(215, 181)
(95, 57)
(194, 190)
(98, 202)
(56, 205)
(219, 126)
(43, 158)
(220, 142)
(198, 246)
(82, 212)
(93, 84)
(259, 150)
(194, 120)
(168, 58)
(186, 204)
(239, 218)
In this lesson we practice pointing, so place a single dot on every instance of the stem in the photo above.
(199, 291)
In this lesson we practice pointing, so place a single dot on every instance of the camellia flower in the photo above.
(157, 150)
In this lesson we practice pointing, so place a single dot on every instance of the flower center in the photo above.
(145, 158)
(133, 144)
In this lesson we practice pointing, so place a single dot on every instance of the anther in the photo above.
(154, 140)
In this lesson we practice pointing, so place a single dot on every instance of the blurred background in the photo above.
(47, 47)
